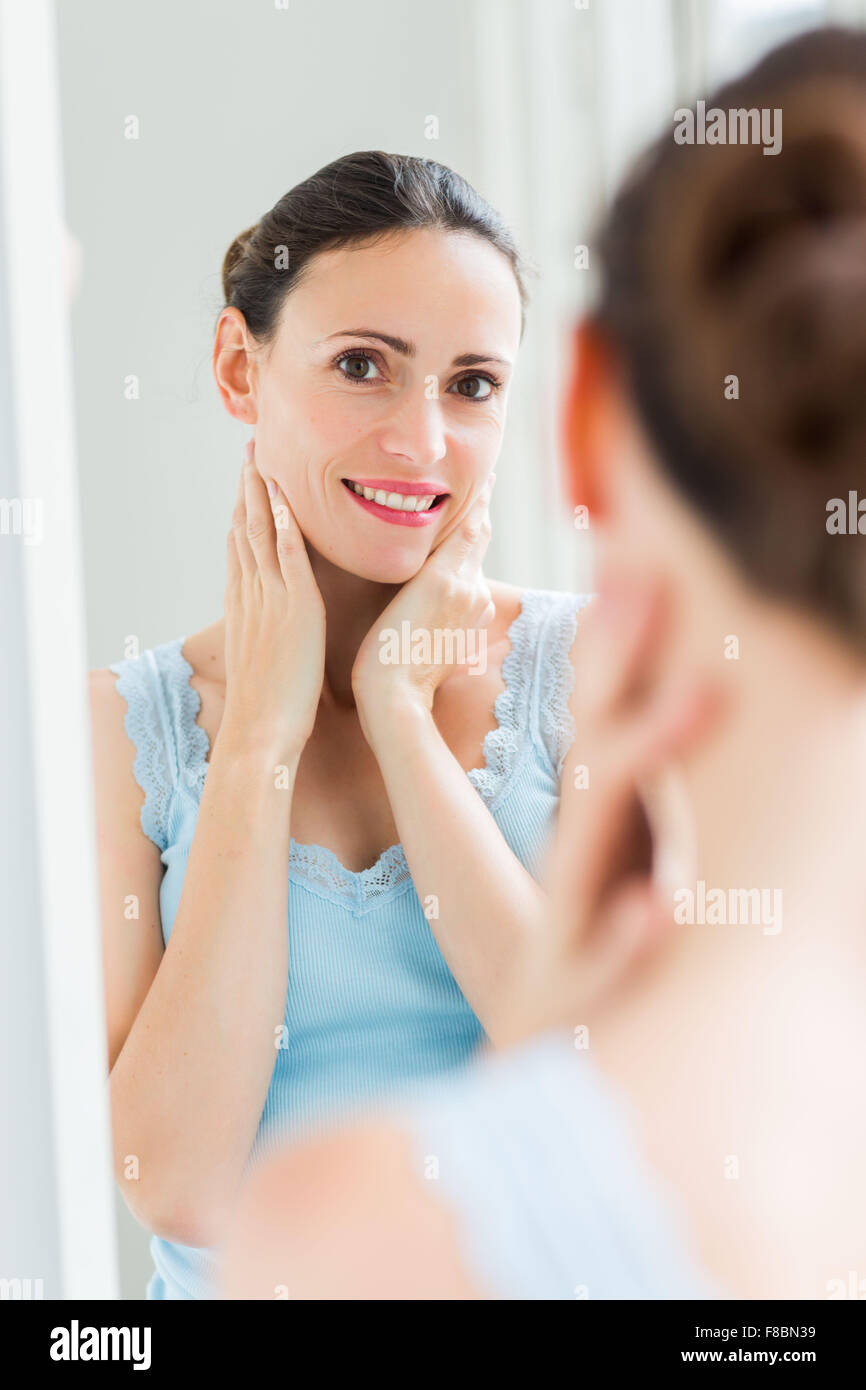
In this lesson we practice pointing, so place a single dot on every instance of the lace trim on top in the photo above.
(511, 707)
(184, 706)
(174, 699)
(154, 746)
(555, 720)
(315, 863)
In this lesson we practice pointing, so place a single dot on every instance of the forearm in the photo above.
(487, 909)
(189, 1085)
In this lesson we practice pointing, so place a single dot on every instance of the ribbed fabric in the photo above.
(535, 1154)
(371, 1006)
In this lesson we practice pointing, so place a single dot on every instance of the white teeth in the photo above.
(397, 501)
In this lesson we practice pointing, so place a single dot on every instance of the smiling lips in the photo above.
(402, 504)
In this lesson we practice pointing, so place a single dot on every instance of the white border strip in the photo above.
(30, 165)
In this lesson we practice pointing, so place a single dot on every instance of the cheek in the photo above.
(476, 448)
(293, 437)
(328, 427)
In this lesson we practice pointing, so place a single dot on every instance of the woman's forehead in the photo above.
(415, 286)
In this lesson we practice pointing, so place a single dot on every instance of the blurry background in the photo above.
(539, 103)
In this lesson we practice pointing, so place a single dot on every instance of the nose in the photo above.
(414, 430)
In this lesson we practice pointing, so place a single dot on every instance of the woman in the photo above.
(327, 723)
(729, 642)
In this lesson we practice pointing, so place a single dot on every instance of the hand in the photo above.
(274, 621)
(449, 593)
(610, 912)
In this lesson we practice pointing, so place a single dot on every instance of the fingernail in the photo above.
(272, 487)
(248, 451)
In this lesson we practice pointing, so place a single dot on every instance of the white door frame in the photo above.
(56, 1198)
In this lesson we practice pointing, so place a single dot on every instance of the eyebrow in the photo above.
(406, 349)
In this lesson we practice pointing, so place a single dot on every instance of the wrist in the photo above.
(389, 716)
(248, 741)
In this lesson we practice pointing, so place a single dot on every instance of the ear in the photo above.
(234, 366)
(588, 397)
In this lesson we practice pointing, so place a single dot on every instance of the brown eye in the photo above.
(475, 388)
(356, 365)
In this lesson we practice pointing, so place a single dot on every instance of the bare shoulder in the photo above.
(508, 600)
(205, 652)
(347, 1216)
(113, 750)
(107, 720)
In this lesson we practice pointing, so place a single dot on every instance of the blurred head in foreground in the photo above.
(716, 434)
(716, 431)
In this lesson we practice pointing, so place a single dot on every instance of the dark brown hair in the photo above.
(720, 261)
(355, 200)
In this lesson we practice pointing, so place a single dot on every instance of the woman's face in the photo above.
(385, 388)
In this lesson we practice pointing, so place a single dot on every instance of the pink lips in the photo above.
(423, 489)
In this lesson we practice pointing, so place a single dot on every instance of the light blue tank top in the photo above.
(371, 1006)
(535, 1154)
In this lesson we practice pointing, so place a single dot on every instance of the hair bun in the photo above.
(776, 290)
(735, 289)
(233, 258)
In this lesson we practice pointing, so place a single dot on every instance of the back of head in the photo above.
(734, 295)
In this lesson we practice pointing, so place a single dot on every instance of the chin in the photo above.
(388, 565)
(379, 569)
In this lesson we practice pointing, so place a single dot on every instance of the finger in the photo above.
(233, 566)
(246, 559)
(595, 815)
(623, 933)
(620, 637)
(488, 614)
(614, 650)
(260, 529)
(602, 832)
(291, 551)
(594, 792)
(667, 724)
(465, 547)
(477, 532)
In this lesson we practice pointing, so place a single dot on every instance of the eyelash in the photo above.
(495, 382)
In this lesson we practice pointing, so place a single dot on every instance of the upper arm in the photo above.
(130, 868)
(347, 1216)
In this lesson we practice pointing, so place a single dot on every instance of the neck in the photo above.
(740, 1036)
(352, 606)
(776, 793)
